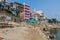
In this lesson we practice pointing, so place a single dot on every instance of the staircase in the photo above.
(5, 25)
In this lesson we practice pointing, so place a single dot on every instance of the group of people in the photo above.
(50, 35)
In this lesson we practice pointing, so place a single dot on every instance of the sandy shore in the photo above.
(22, 33)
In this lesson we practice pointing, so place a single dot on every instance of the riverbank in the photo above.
(24, 31)
(52, 28)
(21, 33)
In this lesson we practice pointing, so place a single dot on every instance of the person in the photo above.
(44, 29)
(52, 37)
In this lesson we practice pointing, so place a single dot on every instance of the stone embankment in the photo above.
(54, 26)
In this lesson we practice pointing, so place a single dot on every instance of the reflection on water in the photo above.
(58, 34)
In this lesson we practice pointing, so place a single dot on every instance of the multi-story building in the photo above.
(26, 11)
(38, 14)
(22, 9)
(14, 10)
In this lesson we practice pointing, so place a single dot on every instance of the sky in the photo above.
(51, 8)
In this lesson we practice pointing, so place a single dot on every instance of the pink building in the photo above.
(26, 11)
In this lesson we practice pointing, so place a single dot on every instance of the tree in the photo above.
(50, 21)
(54, 20)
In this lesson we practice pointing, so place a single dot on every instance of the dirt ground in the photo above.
(21, 33)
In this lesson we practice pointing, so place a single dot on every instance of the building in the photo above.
(14, 11)
(26, 11)
(22, 9)
(39, 14)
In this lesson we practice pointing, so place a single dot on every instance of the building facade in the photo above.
(14, 11)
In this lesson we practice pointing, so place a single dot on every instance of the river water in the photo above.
(57, 34)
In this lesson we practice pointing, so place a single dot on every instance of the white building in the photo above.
(38, 13)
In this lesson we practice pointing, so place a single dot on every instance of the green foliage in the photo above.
(53, 20)
(50, 21)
